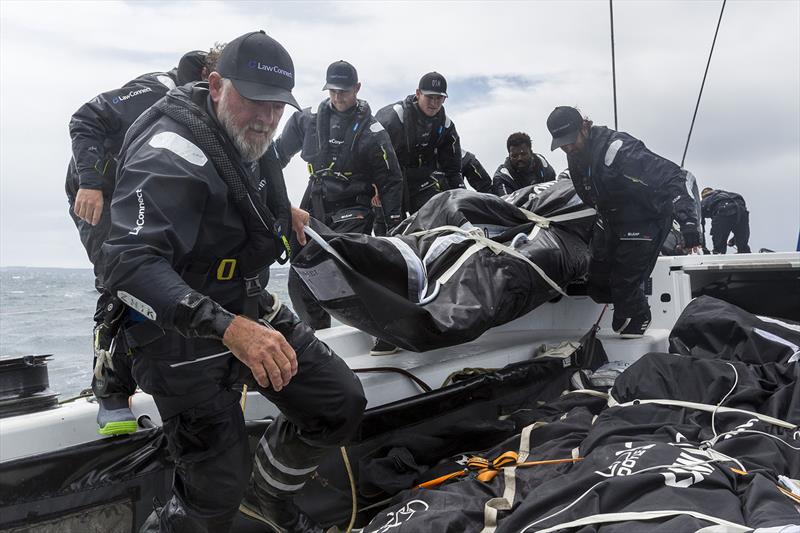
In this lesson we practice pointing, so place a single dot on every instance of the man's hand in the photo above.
(89, 205)
(265, 352)
(376, 198)
(300, 219)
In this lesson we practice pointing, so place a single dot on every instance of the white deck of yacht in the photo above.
(552, 323)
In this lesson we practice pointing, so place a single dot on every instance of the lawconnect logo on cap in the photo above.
(258, 65)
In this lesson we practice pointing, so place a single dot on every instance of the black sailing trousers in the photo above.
(623, 256)
(723, 225)
(321, 408)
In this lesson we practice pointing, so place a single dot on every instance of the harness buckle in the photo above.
(252, 286)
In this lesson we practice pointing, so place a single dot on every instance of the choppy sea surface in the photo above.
(49, 311)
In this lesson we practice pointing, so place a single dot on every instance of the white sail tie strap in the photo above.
(325, 246)
(533, 217)
(469, 252)
(605, 518)
(612, 402)
(476, 234)
(546, 221)
(506, 502)
(589, 392)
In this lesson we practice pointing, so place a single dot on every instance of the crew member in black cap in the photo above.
(522, 167)
(347, 151)
(428, 149)
(636, 194)
(728, 213)
(199, 214)
(425, 140)
(97, 129)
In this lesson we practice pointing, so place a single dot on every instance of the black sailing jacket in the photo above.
(508, 179)
(98, 128)
(366, 155)
(423, 144)
(720, 202)
(173, 223)
(627, 182)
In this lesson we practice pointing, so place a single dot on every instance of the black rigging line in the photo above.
(613, 61)
(697, 106)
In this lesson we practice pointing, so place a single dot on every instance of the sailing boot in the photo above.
(114, 417)
(112, 384)
(631, 327)
(281, 468)
(382, 347)
(281, 515)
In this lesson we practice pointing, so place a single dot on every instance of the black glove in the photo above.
(691, 239)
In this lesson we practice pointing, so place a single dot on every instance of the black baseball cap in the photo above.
(341, 76)
(259, 67)
(433, 83)
(190, 67)
(564, 124)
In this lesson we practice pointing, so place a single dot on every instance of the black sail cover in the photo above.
(462, 264)
(688, 442)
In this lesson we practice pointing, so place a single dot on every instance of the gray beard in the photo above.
(249, 150)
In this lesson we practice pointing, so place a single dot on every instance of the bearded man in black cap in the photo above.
(636, 193)
(199, 214)
(425, 141)
(97, 130)
(522, 167)
(347, 151)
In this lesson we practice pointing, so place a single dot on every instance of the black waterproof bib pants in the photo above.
(623, 256)
(321, 408)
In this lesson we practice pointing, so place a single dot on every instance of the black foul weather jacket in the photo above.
(507, 178)
(180, 232)
(626, 182)
(423, 145)
(98, 128)
(346, 154)
(474, 173)
(720, 202)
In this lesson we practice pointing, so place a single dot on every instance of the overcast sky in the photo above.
(507, 65)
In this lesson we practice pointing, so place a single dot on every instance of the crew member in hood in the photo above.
(636, 194)
(347, 151)
(425, 141)
(200, 212)
(728, 213)
(97, 130)
(522, 167)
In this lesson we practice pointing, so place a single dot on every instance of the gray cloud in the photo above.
(508, 64)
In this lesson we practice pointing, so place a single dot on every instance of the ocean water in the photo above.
(49, 311)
